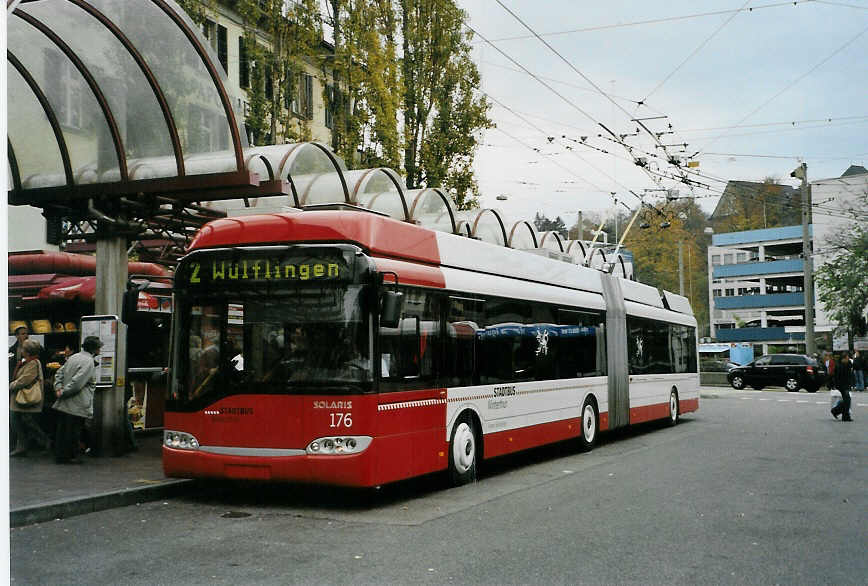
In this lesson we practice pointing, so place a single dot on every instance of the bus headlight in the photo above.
(180, 440)
(339, 446)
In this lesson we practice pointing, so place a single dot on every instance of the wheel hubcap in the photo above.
(673, 407)
(737, 381)
(791, 384)
(464, 449)
(589, 424)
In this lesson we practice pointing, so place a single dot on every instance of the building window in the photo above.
(243, 64)
(742, 257)
(728, 259)
(302, 96)
(329, 107)
(715, 259)
(216, 35)
(716, 292)
(730, 292)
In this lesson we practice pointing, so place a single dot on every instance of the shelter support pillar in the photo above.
(108, 404)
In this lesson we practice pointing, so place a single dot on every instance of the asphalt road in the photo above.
(755, 488)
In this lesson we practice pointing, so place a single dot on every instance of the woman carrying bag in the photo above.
(25, 401)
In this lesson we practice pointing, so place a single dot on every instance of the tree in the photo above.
(842, 281)
(443, 112)
(655, 251)
(750, 206)
(543, 224)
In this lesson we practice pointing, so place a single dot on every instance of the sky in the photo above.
(777, 73)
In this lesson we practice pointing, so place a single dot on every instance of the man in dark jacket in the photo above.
(843, 372)
(859, 371)
(16, 352)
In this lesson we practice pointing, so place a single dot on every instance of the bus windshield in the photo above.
(309, 338)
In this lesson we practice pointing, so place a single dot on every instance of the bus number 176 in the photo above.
(341, 419)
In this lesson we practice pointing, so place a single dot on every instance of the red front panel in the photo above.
(407, 430)
(277, 422)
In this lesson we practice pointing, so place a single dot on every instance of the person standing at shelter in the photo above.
(859, 371)
(843, 372)
(74, 386)
(22, 414)
(16, 350)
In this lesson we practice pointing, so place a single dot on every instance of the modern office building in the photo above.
(756, 289)
(756, 285)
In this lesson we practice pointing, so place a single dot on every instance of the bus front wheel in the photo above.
(463, 452)
(590, 418)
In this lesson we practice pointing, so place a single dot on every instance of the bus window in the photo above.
(463, 317)
(408, 352)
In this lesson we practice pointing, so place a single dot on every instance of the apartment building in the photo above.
(304, 99)
(756, 290)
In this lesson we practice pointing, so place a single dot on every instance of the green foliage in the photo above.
(655, 252)
(443, 112)
(842, 281)
(749, 206)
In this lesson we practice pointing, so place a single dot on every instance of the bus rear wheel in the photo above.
(463, 452)
(673, 407)
(590, 419)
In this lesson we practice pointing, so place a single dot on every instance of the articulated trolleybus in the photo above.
(344, 347)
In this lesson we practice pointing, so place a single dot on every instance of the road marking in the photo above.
(800, 401)
(783, 400)
(765, 399)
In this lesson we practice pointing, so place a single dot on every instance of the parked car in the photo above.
(792, 371)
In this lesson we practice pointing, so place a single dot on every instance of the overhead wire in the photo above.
(694, 52)
(658, 20)
(791, 84)
(588, 80)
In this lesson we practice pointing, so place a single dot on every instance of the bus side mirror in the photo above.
(390, 309)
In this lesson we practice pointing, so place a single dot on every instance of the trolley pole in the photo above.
(801, 172)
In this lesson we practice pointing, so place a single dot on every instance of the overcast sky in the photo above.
(762, 69)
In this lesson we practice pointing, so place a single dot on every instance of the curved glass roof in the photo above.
(112, 91)
(522, 235)
(120, 98)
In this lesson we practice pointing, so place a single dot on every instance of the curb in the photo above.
(63, 509)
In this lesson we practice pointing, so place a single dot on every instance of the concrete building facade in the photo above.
(756, 285)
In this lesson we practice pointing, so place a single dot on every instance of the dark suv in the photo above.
(792, 371)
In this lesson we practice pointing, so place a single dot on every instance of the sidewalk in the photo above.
(40, 490)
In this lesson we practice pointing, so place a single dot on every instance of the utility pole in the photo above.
(681, 267)
(581, 231)
(801, 172)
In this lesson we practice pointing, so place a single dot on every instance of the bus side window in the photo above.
(407, 352)
(463, 318)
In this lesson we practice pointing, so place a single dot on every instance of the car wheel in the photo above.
(737, 382)
(812, 388)
(590, 425)
(673, 407)
(792, 385)
(462, 452)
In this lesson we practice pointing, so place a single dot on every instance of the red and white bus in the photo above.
(347, 348)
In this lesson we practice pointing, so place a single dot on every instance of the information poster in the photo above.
(105, 327)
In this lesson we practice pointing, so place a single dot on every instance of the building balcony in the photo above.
(761, 301)
(758, 335)
(753, 269)
(763, 236)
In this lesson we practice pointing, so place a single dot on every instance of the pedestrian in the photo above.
(859, 369)
(16, 350)
(74, 386)
(830, 371)
(843, 372)
(25, 401)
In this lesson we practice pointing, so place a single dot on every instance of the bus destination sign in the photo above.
(259, 269)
